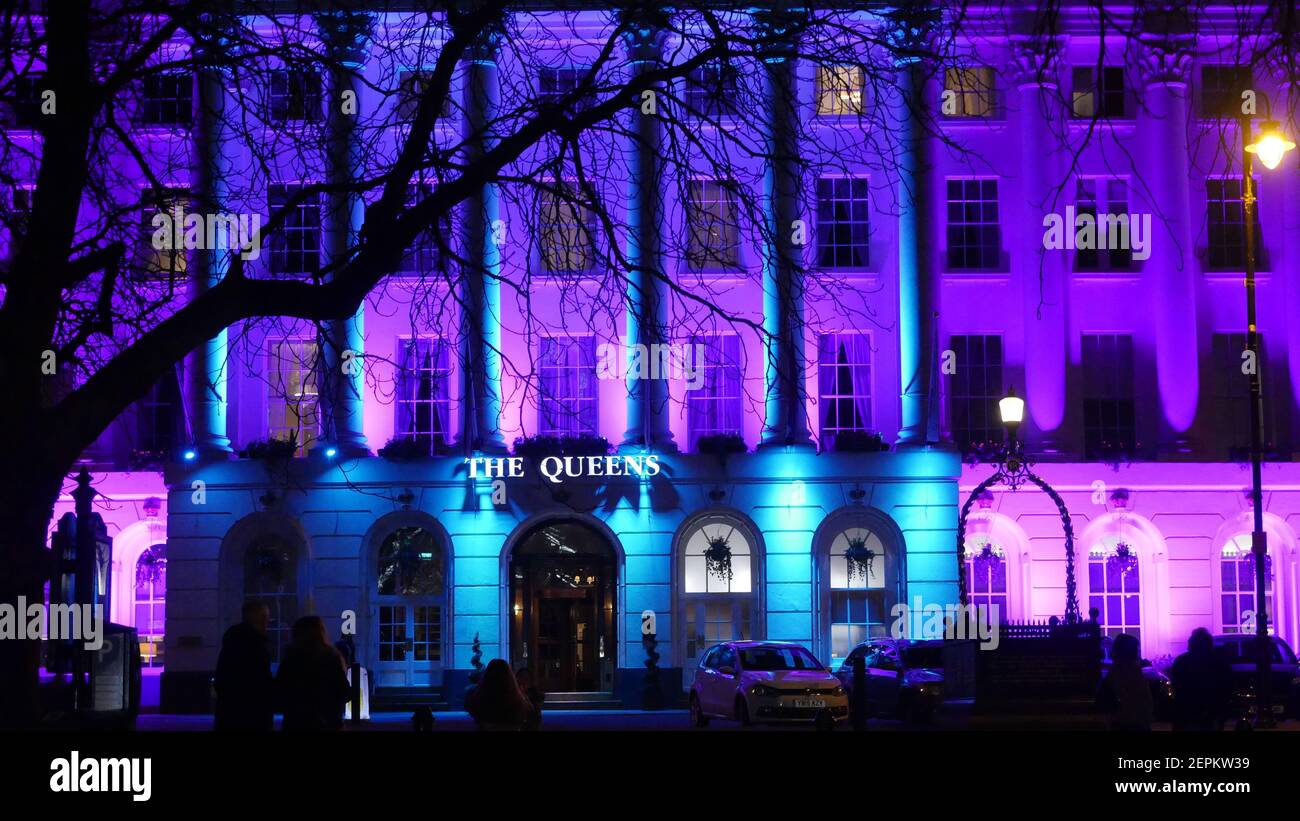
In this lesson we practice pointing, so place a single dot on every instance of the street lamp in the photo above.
(1270, 147)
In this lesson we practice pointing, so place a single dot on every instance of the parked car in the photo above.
(1162, 691)
(904, 677)
(1239, 651)
(766, 682)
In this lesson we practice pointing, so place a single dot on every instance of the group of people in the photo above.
(1201, 680)
(310, 688)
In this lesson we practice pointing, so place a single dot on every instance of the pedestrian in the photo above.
(496, 703)
(245, 697)
(524, 678)
(312, 683)
(1202, 683)
(1125, 693)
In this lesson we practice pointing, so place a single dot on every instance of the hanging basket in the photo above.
(987, 558)
(151, 566)
(860, 558)
(1123, 560)
(717, 559)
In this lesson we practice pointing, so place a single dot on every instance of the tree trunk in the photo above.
(29, 493)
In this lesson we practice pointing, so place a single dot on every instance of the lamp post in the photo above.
(1013, 468)
(1270, 147)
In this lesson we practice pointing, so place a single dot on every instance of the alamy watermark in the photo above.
(175, 230)
(1085, 231)
(666, 360)
(58, 622)
(979, 622)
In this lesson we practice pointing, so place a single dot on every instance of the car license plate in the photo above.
(809, 703)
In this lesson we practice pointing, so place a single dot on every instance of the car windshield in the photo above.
(778, 658)
(1242, 651)
(928, 655)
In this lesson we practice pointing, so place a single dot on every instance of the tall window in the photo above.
(1232, 394)
(843, 222)
(1221, 89)
(158, 417)
(296, 247)
(713, 90)
(857, 591)
(839, 89)
(1226, 225)
(555, 84)
(844, 384)
(167, 99)
(412, 84)
(568, 397)
(715, 407)
(567, 231)
(713, 241)
(972, 91)
(23, 104)
(1237, 610)
(974, 232)
(151, 603)
(423, 391)
(1109, 420)
(974, 390)
(161, 255)
(717, 595)
(986, 576)
(423, 257)
(293, 403)
(1114, 587)
(410, 584)
(1098, 92)
(1106, 200)
(270, 576)
(295, 96)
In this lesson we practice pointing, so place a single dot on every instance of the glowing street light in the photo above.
(1270, 145)
(1012, 409)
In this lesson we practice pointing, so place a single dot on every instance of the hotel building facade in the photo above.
(947, 295)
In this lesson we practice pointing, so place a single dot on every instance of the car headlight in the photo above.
(763, 690)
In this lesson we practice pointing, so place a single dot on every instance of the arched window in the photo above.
(1114, 586)
(986, 575)
(270, 575)
(151, 603)
(858, 590)
(1237, 587)
(719, 583)
(409, 584)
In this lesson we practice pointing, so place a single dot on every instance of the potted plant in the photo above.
(151, 568)
(271, 449)
(858, 441)
(404, 449)
(721, 445)
(1123, 560)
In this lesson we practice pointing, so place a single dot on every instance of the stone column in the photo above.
(786, 418)
(647, 291)
(917, 279)
(1044, 275)
(1172, 269)
(205, 369)
(480, 344)
(347, 37)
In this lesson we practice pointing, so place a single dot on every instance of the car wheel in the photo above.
(824, 722)
(698, 718)
(742, 712)
(922, 714)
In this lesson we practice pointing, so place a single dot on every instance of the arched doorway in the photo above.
(563, 606)
(407, 615)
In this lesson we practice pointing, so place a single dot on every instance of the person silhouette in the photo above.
(245, 699)
(1125, 693)
(496, 703)
(1202, 683)
(312, 683)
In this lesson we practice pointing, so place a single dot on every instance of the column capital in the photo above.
(645, 35)
(346, 35)
(909, 31)
(1166, 59)
(1035, 61)
(214, 50)
(486, 48)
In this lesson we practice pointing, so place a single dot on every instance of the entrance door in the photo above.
(410, 644)
(562, 593)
